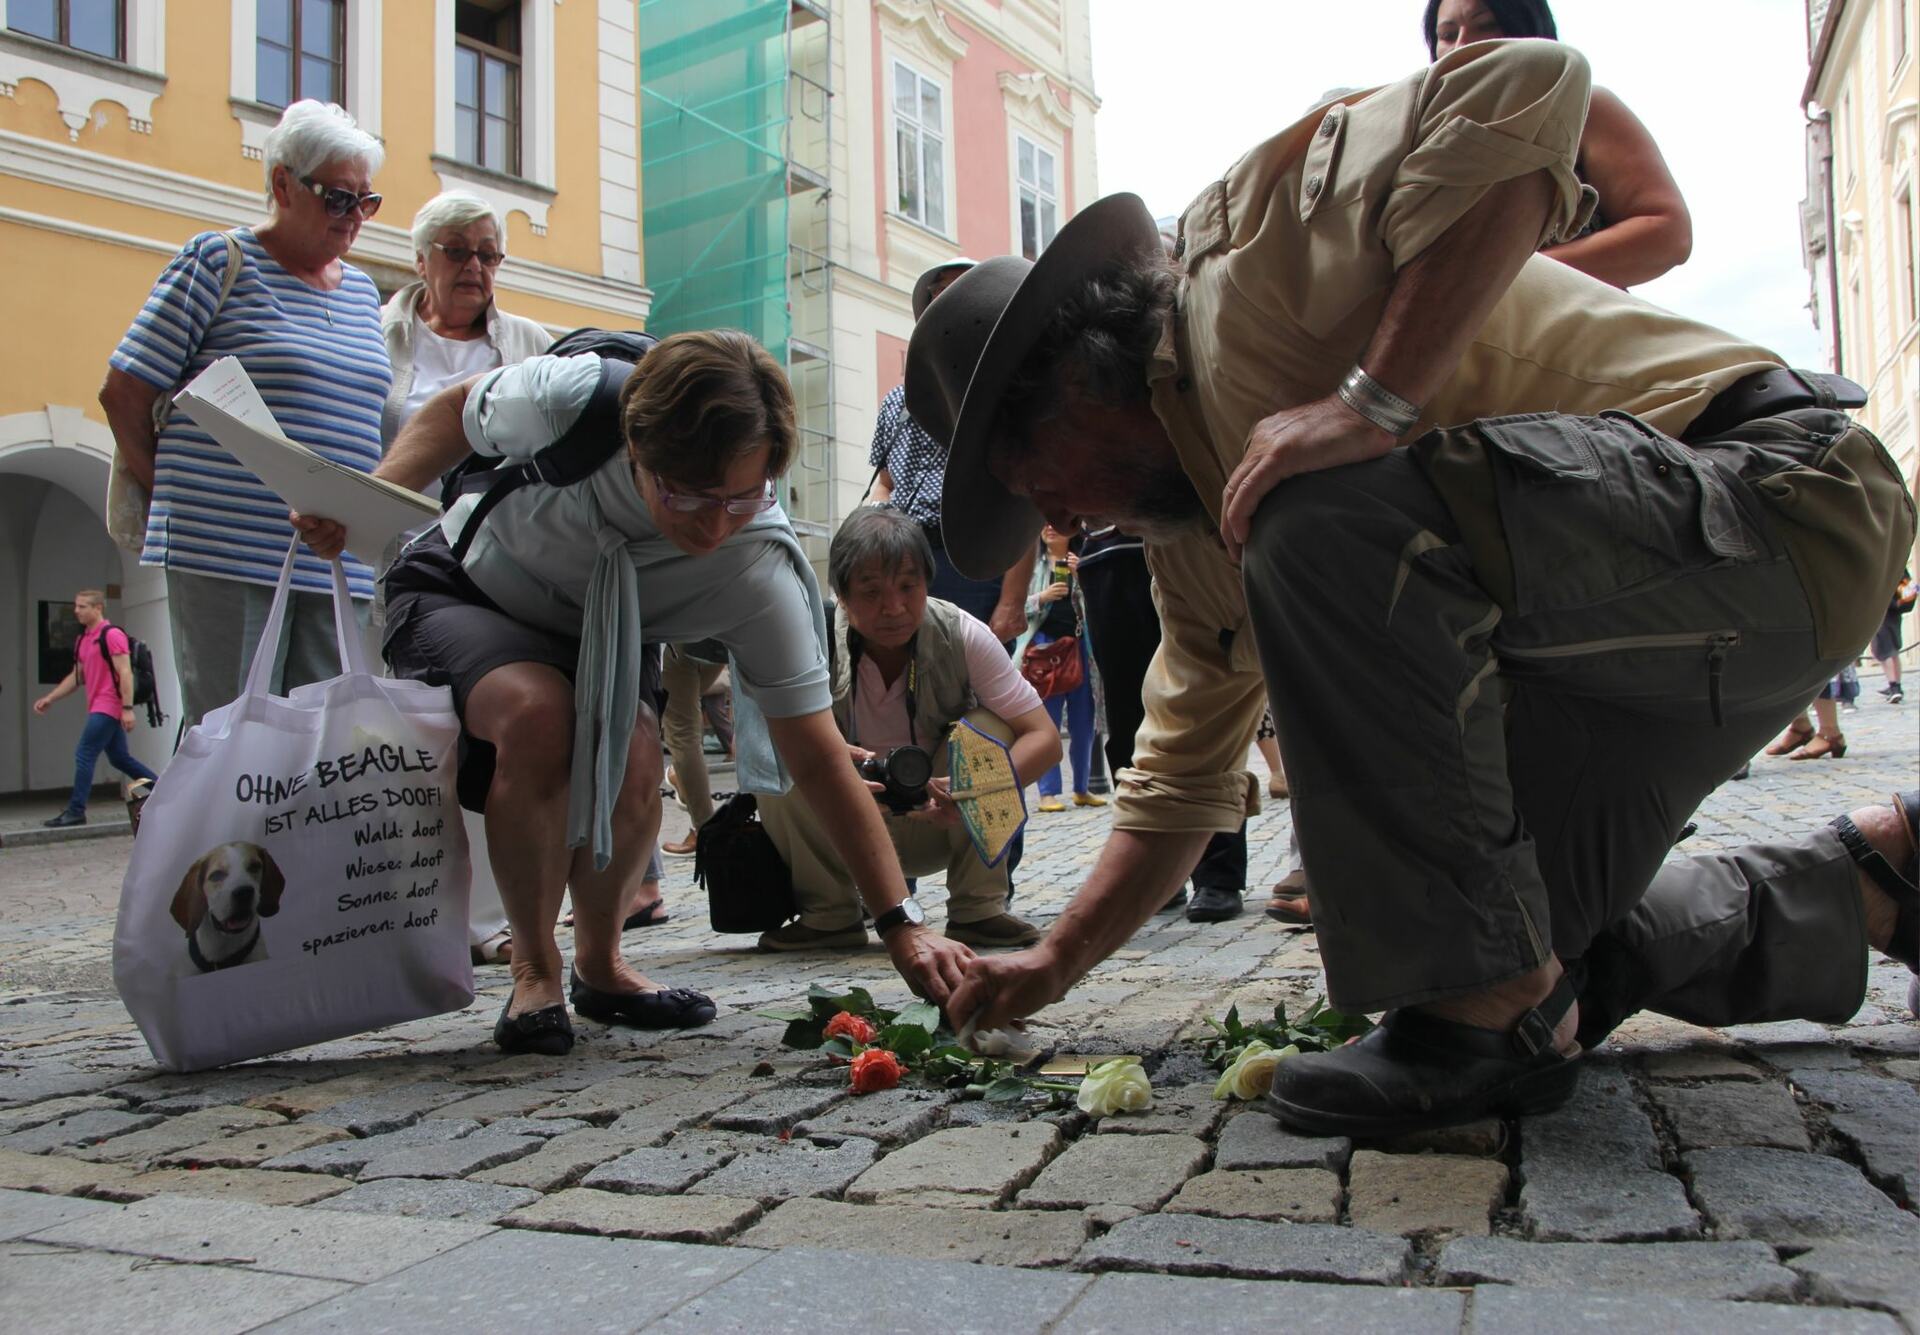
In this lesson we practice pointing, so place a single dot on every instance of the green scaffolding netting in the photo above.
(713, 77)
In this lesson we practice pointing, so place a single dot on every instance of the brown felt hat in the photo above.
(969, 343)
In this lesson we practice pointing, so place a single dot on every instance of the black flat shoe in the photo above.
(1212, 904)
(651, 915)
(65, 820)
(547, 1031)
(1416, 1072)
(1902, 884)
(668, 1008)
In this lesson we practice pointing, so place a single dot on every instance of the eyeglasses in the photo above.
(688, 502)
(459, 255)
(339, 203)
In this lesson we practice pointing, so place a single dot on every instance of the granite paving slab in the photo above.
(665, 1170)
(1424, 1194)
(778, 1171)
(775, 1110)
(890, 1117)
(432, 1198)
(1886, 1277)
(1301, 1195)
(1248, 1249)
(1732, 1270)
(986, 1163)
(24, 1212)
(968, 1299)
(1122, 1304)
(57, 1174)
(58, 1289)
(984, 1237)
(76, 1129)
(1792, 1200)
(1741, 1113)
(1879, 1117)
(1497, 1310)
(51, 1110)
(253, 1147)
(560, 1162)
(1143, 1171)
(706, 1219)
(270, 1238)
(580, 1286)
(348, 1157)
(177, 1133)
(1255, 1140)
(388, 1109)
(258, 1186)
(486, 1148)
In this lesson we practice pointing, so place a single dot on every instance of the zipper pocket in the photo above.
(1718, 644)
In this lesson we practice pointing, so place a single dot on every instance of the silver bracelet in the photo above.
(1378, 404)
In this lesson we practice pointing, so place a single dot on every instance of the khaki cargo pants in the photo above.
(1497, 719)
(823, 887)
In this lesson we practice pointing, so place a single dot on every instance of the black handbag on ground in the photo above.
(749, 888)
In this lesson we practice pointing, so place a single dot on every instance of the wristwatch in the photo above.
(907, 910)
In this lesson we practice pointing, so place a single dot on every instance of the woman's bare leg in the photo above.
(600, 898)
(526, 711)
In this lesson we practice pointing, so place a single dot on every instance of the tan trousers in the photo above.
(686, 680)
(823, 887)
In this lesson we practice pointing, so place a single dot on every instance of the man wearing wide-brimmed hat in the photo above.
(1376, 444)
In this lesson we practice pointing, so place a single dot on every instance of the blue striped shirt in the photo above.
(320, 363)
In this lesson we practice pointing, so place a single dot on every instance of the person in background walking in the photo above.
(1056, 619)
(103, 668)
(1886, 641)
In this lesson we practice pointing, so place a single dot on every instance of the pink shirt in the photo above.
(880, 712)
(96, 673)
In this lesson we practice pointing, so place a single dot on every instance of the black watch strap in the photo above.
(906, 911)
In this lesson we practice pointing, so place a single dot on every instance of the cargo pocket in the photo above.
(1595, 506)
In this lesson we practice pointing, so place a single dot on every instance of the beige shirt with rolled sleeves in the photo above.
(1288, 261)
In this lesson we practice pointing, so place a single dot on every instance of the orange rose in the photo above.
(850, 1026)
(874, 1070)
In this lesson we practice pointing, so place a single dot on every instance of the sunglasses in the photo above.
(689, 502)
(339, 203)
(459, 255)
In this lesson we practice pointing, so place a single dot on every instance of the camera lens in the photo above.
(910, 767)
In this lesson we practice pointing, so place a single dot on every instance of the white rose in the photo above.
(1251, 1074)
(1120, 1085)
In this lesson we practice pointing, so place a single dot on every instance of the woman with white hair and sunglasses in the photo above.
(306, 326)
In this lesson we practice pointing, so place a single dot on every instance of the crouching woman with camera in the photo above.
(906, 669)
(544, 618)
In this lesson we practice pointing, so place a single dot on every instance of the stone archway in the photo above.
(53, 541)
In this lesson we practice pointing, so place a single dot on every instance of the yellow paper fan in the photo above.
(986, 791)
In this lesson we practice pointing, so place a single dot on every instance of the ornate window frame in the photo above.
(533, 190)
(80, 79)
(363, 19)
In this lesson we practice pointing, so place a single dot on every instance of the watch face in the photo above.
(910, 909)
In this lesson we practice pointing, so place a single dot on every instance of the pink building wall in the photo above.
(980, 195)
(890, 363)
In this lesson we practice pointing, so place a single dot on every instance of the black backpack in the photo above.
(588, 443)
(749, 888)
(146, 684)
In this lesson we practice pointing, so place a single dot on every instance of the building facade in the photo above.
(808, 159)
(128, 126)
(1861, 219)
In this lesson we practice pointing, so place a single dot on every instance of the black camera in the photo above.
(902, 774)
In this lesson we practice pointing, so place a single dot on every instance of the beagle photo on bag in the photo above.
(220, 903)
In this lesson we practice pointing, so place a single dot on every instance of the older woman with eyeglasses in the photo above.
(446, 328)
(306, 326)
(540, 613)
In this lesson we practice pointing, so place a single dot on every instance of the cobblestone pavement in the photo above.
(1755, 1179)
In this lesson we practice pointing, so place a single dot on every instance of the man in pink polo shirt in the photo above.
(103, 668)
(905, 669)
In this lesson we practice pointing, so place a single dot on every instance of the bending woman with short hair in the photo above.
(563, 593)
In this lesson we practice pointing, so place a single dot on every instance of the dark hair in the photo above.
(1517, 18)
(1095, 348)
(877, 534)
(702, 399)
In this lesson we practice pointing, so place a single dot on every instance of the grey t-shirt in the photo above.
(535, 552)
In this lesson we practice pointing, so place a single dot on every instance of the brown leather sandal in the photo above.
(1822, 747)
(1798, 734)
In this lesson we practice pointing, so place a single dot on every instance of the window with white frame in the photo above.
(1039, 197)
(919, 148)
(300, 50)
(1903, 214)
(97, 27)
(486, 97)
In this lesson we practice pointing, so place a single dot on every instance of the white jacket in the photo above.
(515, 337)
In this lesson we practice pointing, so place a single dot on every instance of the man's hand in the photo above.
(1322, 434)
(999, 989)
(858, 754)
(932, 965)
(1007, 621)
(126, 719)
(41, 705)
(327, 537)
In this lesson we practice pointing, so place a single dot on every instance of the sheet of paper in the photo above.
(225, 403)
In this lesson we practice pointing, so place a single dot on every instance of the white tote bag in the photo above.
(301, 872)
